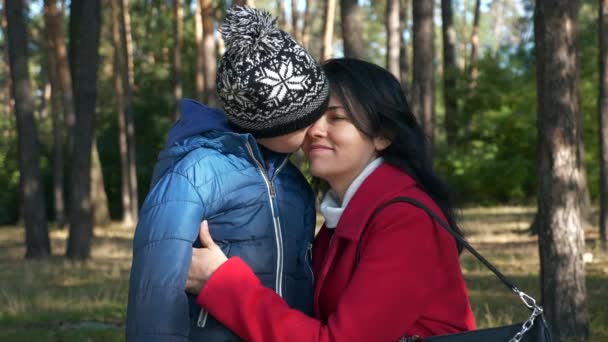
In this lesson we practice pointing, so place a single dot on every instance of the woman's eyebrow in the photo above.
(335, 107)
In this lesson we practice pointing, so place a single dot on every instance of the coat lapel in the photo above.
(382, 185)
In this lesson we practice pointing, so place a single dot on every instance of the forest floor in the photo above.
(59, 300)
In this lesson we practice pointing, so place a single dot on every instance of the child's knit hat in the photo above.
(268, 84)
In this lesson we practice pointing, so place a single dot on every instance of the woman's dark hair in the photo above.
(378, 108)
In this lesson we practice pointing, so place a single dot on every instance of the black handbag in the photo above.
(534, 329)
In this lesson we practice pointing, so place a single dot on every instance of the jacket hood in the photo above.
(202, 126)
(196, 118)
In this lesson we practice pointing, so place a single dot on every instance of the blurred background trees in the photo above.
(82, 118)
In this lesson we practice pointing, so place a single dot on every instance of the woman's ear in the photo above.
(381, 143)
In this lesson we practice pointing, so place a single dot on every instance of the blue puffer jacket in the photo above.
(259, 207)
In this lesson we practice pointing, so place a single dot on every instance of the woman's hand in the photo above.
(204, 261)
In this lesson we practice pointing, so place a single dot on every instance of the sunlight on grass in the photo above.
(59, 300)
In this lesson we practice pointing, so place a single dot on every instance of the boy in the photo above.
(235, 173)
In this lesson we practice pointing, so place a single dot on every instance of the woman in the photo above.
(398, 277)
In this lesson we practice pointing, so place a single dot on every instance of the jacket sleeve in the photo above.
(162, 250)
(397, 274)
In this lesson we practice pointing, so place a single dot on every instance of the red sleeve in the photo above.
(386, 295)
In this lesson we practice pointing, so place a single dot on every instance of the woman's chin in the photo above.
(319, 173)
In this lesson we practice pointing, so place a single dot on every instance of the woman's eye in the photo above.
(338, 117)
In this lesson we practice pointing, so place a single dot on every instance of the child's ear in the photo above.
(381, 143)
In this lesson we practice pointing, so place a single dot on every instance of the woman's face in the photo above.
(336, 150)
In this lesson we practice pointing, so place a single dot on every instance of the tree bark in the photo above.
(73, 48)
(57, 47)
(392, 37)
(119, 71)
(87, 58)
(128, 44)
(210, 56)
(307, 24)
(248, 3)
(473, 70)
(281, 14)
(130, 88)
(404, 75)
(295, 17)
(423, 84)
(37, 241)
(58, 162)
(352, 32)
(199, 68)
(178, 18)
(603, 121)
(7, 96)
(328, 30)
(45, 89)
(449, 72)
(561, 236)
(99, 199)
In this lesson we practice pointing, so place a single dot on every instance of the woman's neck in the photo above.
(340, 185)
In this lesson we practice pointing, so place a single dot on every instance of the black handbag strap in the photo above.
(457, 236)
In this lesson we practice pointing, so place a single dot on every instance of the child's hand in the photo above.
(204, 261)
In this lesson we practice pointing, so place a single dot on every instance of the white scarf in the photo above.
(332, 209)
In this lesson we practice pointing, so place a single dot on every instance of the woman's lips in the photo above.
(318, 148)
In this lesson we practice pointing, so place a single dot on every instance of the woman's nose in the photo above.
(318, 128)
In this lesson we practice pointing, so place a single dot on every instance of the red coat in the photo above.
(407, 282)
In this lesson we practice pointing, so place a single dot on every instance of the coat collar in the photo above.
(382, 185)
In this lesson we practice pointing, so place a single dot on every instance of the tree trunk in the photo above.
(130, 88)
(199, 69)
(57, 47)
(87, 59)
(473, 70)
(74, 36)
(449, 72)
(99, 199)
(128, 42)
(392, 37)
(603, 121)
(119, 68)
(352, 32)
(328, 30)
(37, 241)
(45, 89)
(249, 3)
(281, 14)
(423, 84)
(220, 47)
(561, 236)
(210, 56)
(403, 56)
(294, 20)
(58, 164)
(307, 24)
(497, 12)
(178, 18)
(7, 96)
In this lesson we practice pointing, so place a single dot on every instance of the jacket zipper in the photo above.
(202, 318)
(275, 217)
(309, 263)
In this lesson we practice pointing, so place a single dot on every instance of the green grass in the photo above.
(500, 234)
(58, 300)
